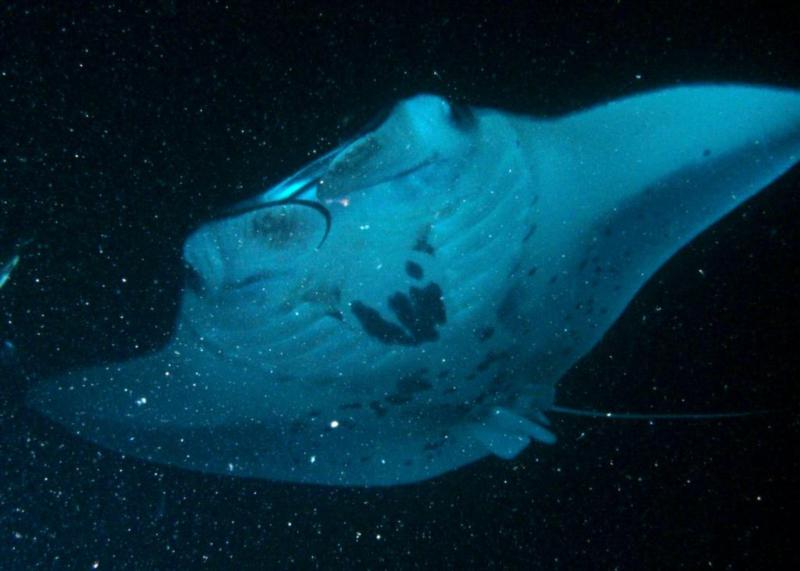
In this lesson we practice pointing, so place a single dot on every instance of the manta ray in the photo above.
(407, 303)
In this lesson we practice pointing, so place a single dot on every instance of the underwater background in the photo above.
(123, 128)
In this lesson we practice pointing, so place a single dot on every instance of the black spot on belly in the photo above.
(707, 152)
(434, 445)
(350, 406)
(422, 244)
(378, 408)
(376, 326)
(485, 333)
(491, 358)
(408, 386)
(414, 270)
(398, 399)
(414, 383)
(419, 313)
(508, 308)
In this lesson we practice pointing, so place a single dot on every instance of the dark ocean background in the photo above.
(122, 128)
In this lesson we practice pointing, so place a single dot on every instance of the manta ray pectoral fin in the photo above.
(505, 433)
(626, 184)
(666, 165)
(614, 151)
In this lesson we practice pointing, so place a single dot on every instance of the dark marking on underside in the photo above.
(408, 386)
(414, 270)
(434, 445)
(423, 244)
(485, 333)
(350, 406)
(491, 358)
(376, 326)
(509, 305)
(397, 399)
(414, 383)
(378, 408)
(419, 313)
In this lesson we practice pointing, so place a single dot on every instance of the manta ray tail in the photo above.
(650, 416)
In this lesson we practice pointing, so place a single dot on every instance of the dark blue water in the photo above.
(122, 129)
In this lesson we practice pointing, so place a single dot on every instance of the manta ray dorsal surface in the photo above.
(470, 258)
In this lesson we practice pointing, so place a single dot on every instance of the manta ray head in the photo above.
(378, 243)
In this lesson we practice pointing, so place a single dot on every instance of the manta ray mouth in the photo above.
(290, 201)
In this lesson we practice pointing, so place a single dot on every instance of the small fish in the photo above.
(11, 263)
(8, 267)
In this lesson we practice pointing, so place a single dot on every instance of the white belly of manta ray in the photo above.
(407, 303)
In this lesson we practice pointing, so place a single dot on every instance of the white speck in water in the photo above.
(334, 423)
